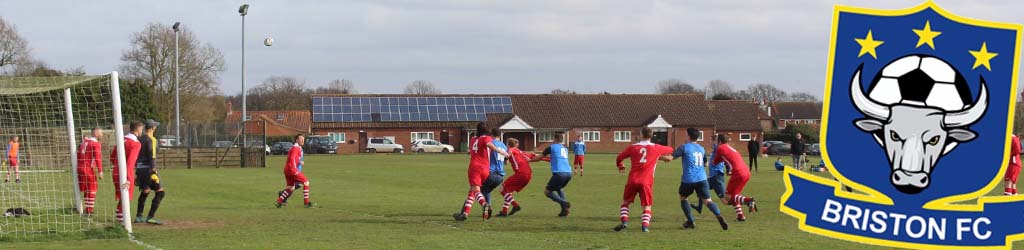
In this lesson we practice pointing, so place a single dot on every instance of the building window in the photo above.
(420, 136)
(701, 137)
(337, 137)
(623, 136)
(248, 117)
(280, 117)
(745, 136)
(545, 137)
(594, 136)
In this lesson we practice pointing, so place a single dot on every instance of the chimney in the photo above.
(229, 108)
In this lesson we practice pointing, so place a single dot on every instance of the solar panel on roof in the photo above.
(361, 109)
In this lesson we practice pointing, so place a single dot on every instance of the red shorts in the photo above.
(736, 184)
(117, 187)
(578, 161)
(86, 180)
(1011, 173)
(477, 176)
(646, 192)
(12, 161)
(516, 183)
(297, 178)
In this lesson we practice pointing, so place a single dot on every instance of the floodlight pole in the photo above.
(242, 11)
(177, 96)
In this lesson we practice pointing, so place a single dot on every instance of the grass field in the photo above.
(406, 201)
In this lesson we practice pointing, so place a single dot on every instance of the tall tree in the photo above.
(279, 93)
(136, 103)
(674, 86)
(421, 87)
(13, 48)
(151, 60)
(719, 87)
(337, 86)
(802, 97)
(766, 92)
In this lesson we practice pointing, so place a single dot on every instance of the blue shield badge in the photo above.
(917, 112)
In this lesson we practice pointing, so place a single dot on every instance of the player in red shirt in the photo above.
(643, 157)
(293, 176)
(479, 169)
(90, 164)
(1013, 170)
(132, 147)
(520, 162)
(739, 175)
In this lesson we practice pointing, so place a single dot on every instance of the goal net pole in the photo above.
(123, 185)
(74, 149)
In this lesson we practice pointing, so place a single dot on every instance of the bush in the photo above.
(810, 133)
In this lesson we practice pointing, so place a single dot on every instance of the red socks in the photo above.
(624, 213)
(305, 194)
(646, 221)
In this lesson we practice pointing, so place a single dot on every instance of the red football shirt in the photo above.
(643, 157)
(479, 153)
(131, 154)
(520, 161)
(1015, 151)
(732, 159)
(89, 154)
(294, 159)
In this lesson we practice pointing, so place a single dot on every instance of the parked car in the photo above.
(320, 144)
(280, 148)
(767, 144)
(383, 145)
(779, 149)
(168, 141)
(223, 144)
(430, 145)
(814, 149)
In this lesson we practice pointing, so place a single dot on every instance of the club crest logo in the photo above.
(917, 112)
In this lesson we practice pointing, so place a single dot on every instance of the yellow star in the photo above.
(868, 45)
(982, 57)
(926, 35)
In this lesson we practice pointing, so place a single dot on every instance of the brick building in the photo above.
(740, 120)
(278, 123)
(607, 122)
(786, 113)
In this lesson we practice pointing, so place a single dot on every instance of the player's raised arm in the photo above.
(497, 149)
(626, 153)
(547, 151)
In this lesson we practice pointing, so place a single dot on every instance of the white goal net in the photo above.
(51, 117)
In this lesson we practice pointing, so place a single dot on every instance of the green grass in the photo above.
(406, 201)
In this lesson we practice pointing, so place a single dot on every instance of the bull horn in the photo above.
(970, 115)
(865, 105)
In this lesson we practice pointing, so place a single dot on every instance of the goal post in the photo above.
(51, 117)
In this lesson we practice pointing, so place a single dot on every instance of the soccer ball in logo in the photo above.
(921, 80)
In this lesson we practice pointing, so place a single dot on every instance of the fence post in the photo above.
(263, 153)
(188, 155)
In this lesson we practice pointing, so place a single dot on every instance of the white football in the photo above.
(268, 41)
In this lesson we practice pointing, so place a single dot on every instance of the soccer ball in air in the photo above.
(921, 80)
(268, 41)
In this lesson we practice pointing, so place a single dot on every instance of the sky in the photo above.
(465, 46)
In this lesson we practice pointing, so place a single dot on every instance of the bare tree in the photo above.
(743, 95)
(719, 87)
(802, 97)
(421, 87)
(279, 93)
(151, 60)
(674, 86)
(766, 92)
(562, 92)
(337, 86)
(13, 48)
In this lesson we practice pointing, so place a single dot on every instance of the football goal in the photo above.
(45, 122)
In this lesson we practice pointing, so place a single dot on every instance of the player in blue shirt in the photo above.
(694, 179)
(561, 173)
(579, 148)
(497, 170)
(716, 177)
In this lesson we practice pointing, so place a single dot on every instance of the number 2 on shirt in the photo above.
(643, 155)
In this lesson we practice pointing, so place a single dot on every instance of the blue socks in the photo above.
(714, 209)
(686, 210)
